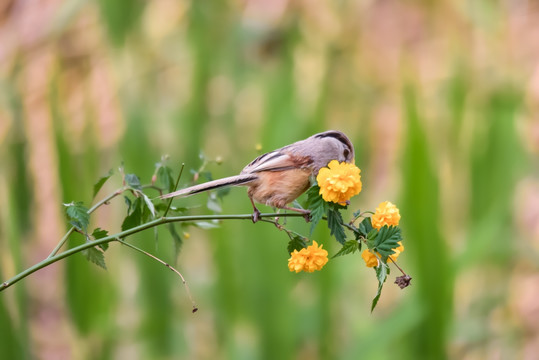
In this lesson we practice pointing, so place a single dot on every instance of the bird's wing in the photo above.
(277, 160)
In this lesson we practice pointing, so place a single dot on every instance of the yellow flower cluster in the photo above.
(386, 214)
(371, 260)
(310, 259)
(339, 181)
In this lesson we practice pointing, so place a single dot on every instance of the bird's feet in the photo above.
(256, 215)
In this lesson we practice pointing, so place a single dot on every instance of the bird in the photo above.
(280, 176)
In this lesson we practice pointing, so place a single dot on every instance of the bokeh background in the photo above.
(441, 99)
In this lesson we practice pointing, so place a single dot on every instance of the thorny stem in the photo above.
(195, 308)
(123, 234)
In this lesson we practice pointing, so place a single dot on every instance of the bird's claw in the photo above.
(256, 215)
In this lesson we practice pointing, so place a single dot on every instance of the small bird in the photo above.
(279, 177)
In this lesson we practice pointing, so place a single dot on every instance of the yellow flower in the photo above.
(339, 181)
(371, 260)
(310, 259)
(386, 214)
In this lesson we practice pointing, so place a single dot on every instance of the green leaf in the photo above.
(148, 203)
(365, 227)
(133, 181)
(78, 215)
(296, 243)
(349, 247)
(96, 256)
(371, 238)
(386, 240)
(335, 224)
(99, 233)
(382, 271)
(129, 204)
(165, 179)
(135, 217)
(316, 205)
(99, 184)
(161, 207)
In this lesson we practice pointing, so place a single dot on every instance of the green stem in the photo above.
(123, 234)
(91, 210)
(175, 187)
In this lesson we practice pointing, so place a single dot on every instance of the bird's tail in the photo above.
(210, 185)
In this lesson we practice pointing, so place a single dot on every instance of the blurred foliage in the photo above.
(441, 100)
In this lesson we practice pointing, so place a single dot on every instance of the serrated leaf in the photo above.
(349, 247)
(296, 243)
(382, 271)
(135, 217)
(387, 240)
(99, 233)
(316, 205)
(165, 179)
(78, 215)
(371, 238)
(335, 224)
(96, 256)
(365, 227)
(99, 184)
(133, 181)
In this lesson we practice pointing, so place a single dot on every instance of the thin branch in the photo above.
(398, 267)
(91, 210)
(289, 232)
(360, 215)
(195, 308)
(123, 234)
(175, 187)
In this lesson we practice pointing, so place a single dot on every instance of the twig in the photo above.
(290, 233)
(195, 308)
(175, 187)
(359, 215)
(91, 210)
(123, 234)
(398, 267)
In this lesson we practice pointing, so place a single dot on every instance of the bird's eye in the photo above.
(346, 152)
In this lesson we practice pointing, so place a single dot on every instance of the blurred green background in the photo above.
(441, 100)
